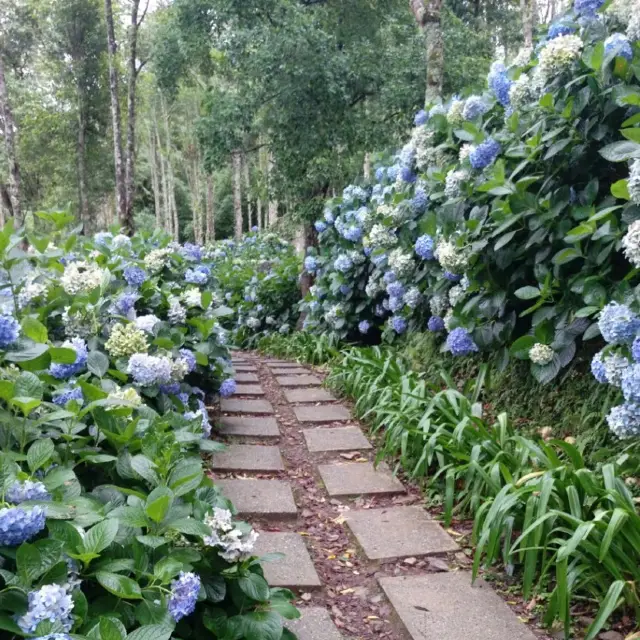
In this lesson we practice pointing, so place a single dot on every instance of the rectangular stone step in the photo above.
(270, 499)
(335, 439)
(245, 368)
(249, 390)
(398, 532)
(322, 413)
(290, 371)
(316, 394)
(295, 570)
(281, 363)
(444, 606)
(249, 427)
(358, 479)
(314, 623)
(247, 457)
(246, 377)
(298, 381)
(231, 405)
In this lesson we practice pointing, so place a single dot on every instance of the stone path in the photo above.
(365, 558)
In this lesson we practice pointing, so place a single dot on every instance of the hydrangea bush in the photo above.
(509, 219)
(109, 525)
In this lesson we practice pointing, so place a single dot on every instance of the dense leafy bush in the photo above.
(537, 508)
(258, 278)
(508, 221)
(109, 527)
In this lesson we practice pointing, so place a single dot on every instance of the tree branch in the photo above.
(419, 11)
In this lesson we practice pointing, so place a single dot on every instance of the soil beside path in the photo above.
(358, 543)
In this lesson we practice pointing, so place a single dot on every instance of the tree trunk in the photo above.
(526, 8)
(131, 118)
(247, 187)
(81, 152)
(11, 144)
(367, 166)
(155, 180)
(236, 162)
(273, 203)
(116, 121)
(259, 213)
(211, 210)
(427, 15)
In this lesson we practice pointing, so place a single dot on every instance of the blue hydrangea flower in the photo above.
(460, 342)
(67, 395)
(635, 350)
(558, 29)
(310, 264)
(420, 201)
(389, 277)
(192, 251)
(380, 174)
(102, 238)
(125, 303)
(624, 420)
(587, 8)
(597, 368)
(184, 595)
(395, 289)
(9, 331)
(68, 259)
(484, 154)
(379, 310)
(343, 263)
(199, 275)
(320, 226)
(54, 636)
(328, 216)
(172, 388)
(134, 276)
(424, 247)
(392, 172)
(452, 277)
(345, 289)
(50, 602)
(63, 371)
(421, 118)
(254, 229)
(407, 175)
(398, 324)
(17, 525)
(395, 304)
(364, 326)
(499, 83)
(618, 324)
(28, 490)
(353, 234)
(379, 259)
(147, 370)
(474, 107)
(228, 387)
(631, 383)
(618, 44)
(435, 324)
(188, 356)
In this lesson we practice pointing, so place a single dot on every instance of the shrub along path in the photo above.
(364, 557)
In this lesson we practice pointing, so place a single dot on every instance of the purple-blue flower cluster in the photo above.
(184, 595)
(398, 324)
(50, 602)
(624, 420)
(587, 8)
(310, 264)
(364, 326)
(460, 342)
(424, 247)
(228, 387)
(421, 118)
(343, 263)
(558, 29)
(484, 154)
(499, 83)
(63, 371)
(67, 395)
(435, 324)
(135, 276)
(598, 369)
(188, 356)
(474, 107)
(452, 277)
(9, 331)
(28, 490)
(125, 303)
(420, 201)
(199, 275)
(320, 226)
(618, 324)
(192, 251)
(396, 289)
(618, 44)
(17, 525)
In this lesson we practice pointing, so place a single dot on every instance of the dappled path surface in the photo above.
(362, 555)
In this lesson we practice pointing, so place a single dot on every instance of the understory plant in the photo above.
(109, 526)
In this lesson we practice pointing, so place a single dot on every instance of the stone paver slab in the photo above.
(335, 439)
(232, 405)
(398, 532)
(249, 427)
(245, 368)
(246, 377)
(308, 395)
(298, 371)
(358, 478)
(444, 606)
(322, 413)
(248, 457)
(281, 363)
(249, 390)
(315, 623)
(261, 498)
(298, 381)
(295, 570)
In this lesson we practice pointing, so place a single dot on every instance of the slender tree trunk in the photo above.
(174, 207)
(131, 118)
(273, 203)
(155, 182)
(236, 162)
(11, 144)
(116, 120)
(81, 152)
(211, 211)
(427, 15)
(247, 187)
(259, 213)
(526, 8)
(367, 166)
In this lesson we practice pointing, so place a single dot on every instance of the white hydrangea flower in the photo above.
(374, 287)
(147, 323)
(614, 368)
(412, 297)
(121, 242)
(557, 55)
(631, 243)
(448, 320)
(455, 114)
(465, 150)
(129, 395)
(81, 277)
(157, 259)
(522, 91)
(623, 10)
(633, 184)
(30, 292)
(451, 257)
(232, 543)
(438, 305)
(177, 314)
(381, 236)
(192, 297)
(356, 257)
(453, 183)
(523, 57)
(456, 293)
(401, 263)
(633, 29)
(253, 323)
(541, 354)
(422, 140)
